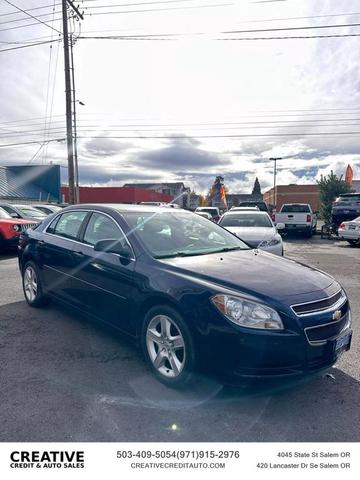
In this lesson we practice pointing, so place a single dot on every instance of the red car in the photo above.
(10, 229)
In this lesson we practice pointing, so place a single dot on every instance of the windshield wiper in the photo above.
(227, 249)
(182, 253)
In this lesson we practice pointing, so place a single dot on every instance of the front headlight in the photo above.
(16, 228)
(270, 243)
(247, 313)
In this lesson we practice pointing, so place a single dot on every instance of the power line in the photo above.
(30, 143)
(151, 10)
(28, 45)
(179, 137)
(308, 27)
(27, 25)
(27, 10)
(32, 16)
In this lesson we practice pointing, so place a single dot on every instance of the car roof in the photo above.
(124, 207)
(246, 212)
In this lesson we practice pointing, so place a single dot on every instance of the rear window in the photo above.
(349, 198)
(245, 220)
(260, 205)
(294, 208)
(212, 211)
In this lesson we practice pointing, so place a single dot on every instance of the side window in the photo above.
(69, 224)
(101, 227)
(51, 227)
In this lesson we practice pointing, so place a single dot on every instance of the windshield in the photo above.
(295, 209)
(4, 214)
(30, 212)
(245, 220)
(177, 234)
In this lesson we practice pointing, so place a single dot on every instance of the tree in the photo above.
(330, 187)
(202, 201)
(256, 188)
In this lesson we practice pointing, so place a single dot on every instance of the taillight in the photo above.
(273, 217)
(342, 225)
(308, 218)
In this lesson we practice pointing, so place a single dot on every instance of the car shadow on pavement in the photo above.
(65, 378)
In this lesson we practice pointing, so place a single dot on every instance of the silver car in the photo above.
(255, 228)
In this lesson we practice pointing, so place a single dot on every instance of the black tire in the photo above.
(1, 243)
(186, 374)
(37, 298)
(354, 242)
(309, 233)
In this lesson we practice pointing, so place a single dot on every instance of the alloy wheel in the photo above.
(30, 283)
(166, 346)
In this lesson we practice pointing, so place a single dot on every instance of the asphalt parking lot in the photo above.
(64, 378)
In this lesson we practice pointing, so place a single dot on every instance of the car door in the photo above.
(55, 250)
(104, 281)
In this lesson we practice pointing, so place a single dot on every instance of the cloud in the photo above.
(180, 154)
(104, 147)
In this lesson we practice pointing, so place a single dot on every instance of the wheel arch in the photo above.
(155, 301)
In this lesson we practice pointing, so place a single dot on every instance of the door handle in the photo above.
(79, 254)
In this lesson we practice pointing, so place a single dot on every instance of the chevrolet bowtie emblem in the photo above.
(337, 315)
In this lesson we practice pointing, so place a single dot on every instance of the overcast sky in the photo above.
(225, 104)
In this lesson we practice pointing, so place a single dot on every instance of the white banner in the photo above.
(195, 460)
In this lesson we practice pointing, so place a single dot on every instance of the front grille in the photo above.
(25, 226)
(322, 333)
(319, 305)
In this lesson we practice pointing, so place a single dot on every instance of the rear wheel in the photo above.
(168, 346)
(32, 286)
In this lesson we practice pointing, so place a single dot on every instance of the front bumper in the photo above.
(259, 354)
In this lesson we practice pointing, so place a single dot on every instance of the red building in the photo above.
(293, 194)
(116, 195)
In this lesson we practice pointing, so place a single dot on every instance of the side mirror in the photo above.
(14, 215)
(113, 246)
(280, 226)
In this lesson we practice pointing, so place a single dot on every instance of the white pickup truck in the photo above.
(297, 217)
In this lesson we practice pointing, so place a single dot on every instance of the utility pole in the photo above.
(68, 95)
(275, 159)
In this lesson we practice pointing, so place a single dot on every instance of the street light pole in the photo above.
(275, 159)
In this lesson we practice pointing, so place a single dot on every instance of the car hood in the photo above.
(256, 273)
(17, 221)
(253, 236)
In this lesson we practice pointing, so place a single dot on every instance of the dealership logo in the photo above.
(47, 459)
(337, 315)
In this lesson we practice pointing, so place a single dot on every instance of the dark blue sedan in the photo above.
(193, 294)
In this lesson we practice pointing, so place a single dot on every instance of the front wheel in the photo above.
(32, 286)
(168, 346)
(354, 242)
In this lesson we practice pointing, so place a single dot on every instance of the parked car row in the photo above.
(194, 295)
(14, 218)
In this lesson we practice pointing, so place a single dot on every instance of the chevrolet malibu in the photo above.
(193, 294)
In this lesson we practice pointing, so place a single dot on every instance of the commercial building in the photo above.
(293, 194)
(30, 183)
(177, 190)
(355, 186)
(116, 195)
